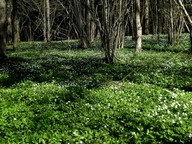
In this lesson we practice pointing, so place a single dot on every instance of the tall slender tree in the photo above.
(46, 21)
(138, 26)
(171, 38)
(15, 25)
(146, 16)
(9, 10)
(2, 28)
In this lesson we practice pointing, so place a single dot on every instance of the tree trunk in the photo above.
(189, 19)
(171, 35)
(90, 24)
(160, 19)
(111, 27)
(155, 20)
(138, 27)
(2, 29)
(46, 21)
(132, 22)
(82, 19)
(16, 34)
(9, 10)
(146, 17)
(121, 30)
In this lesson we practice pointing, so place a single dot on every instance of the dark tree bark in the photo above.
(132, 21)
(171, 35)
(9, 10)
(110, 24)
(2, 28)
(146, 17)
(81, 12)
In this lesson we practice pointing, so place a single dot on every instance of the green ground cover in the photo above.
(57, 93)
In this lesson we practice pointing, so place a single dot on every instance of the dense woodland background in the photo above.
(111, 21)
(95, 71)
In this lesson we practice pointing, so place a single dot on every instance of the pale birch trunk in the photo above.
(16, 34)
(138, 26)
(46, 21)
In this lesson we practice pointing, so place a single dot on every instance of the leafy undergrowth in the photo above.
(56, 93)
(114, 113)
(161, 43)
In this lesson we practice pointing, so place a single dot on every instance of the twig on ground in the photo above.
(111, 82)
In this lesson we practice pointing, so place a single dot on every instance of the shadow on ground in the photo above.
(90, 72)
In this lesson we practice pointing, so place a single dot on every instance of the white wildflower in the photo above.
(190, 135)
(75, 133)
(173, 121)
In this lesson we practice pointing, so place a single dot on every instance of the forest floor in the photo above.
(56, 93)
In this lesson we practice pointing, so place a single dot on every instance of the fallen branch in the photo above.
(111, 82)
